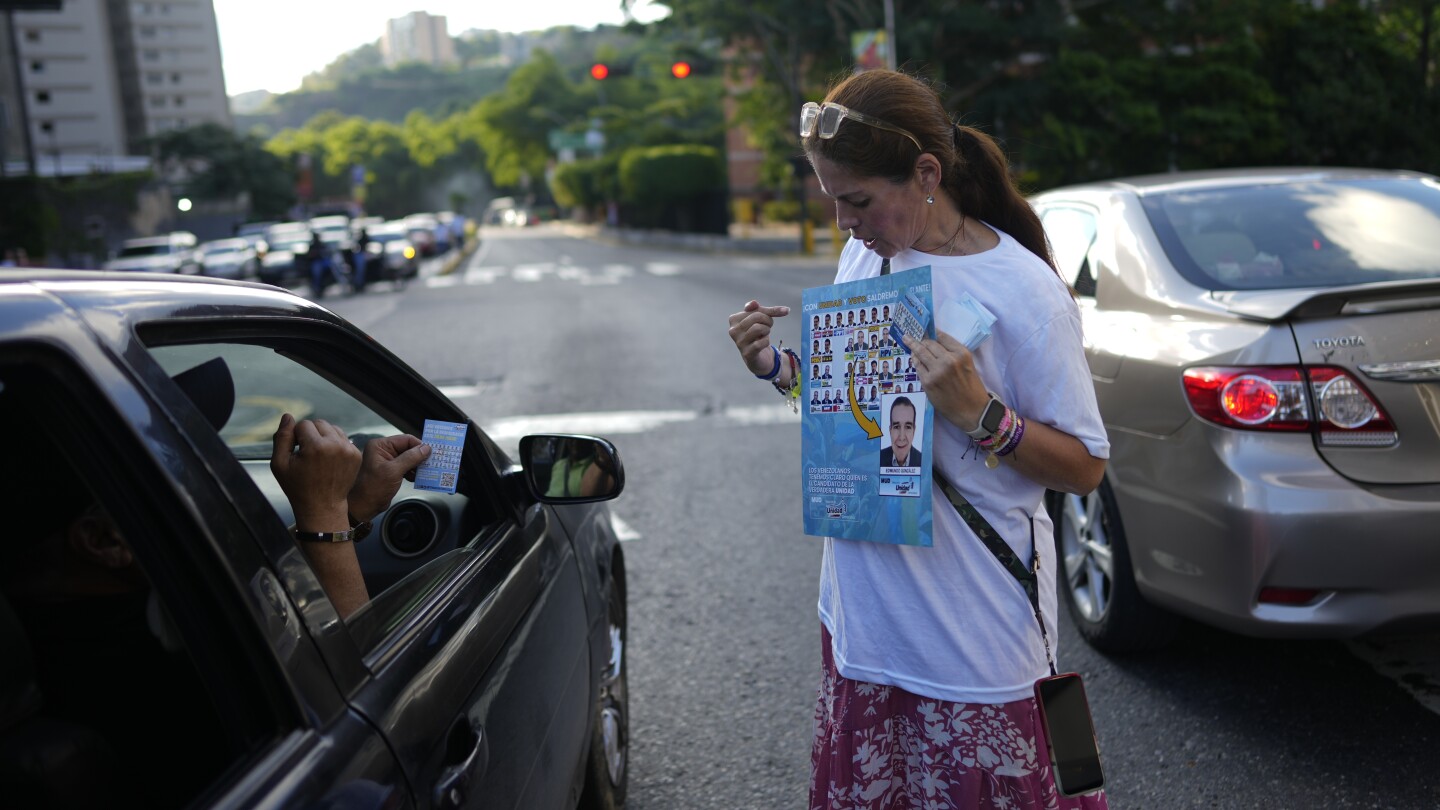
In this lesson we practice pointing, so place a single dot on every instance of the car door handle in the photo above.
(466, 743)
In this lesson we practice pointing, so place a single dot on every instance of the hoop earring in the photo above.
(930, 199)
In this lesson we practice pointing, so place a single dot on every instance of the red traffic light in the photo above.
(599, 70)
(680, 70)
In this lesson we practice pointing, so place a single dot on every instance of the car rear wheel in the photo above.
(1096, 578)
(607, 773)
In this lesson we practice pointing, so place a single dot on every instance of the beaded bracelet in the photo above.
(774, 371)
(791, 392)
(1014, 440)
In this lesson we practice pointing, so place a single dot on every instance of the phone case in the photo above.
(1076, 772)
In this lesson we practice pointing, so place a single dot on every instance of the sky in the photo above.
(273, 44)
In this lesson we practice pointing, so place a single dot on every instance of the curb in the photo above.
(453, 261)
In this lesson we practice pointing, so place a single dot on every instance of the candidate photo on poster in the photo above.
(902, 433)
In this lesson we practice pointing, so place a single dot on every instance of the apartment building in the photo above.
(98, 76)
(417, 37)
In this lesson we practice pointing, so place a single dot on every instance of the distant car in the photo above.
(170, 253)
(285, 259)
(228, 258)
(488, 667)
(254, 233)
(391, 250)
(1265, 346)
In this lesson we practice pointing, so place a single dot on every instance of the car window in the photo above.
(420, 543)
(268, 384)
(1307, 234)
(88, 614)
(1072, 233)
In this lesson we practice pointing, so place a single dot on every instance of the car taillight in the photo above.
(1257, 398)
(1349, 416)
(1275, 398)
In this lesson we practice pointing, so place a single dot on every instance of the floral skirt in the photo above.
(883, 748)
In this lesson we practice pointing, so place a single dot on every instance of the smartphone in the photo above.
(1074, 752)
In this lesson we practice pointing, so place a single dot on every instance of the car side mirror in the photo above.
(563, 469)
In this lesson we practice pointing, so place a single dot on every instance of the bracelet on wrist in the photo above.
(1013, 440)
(774, 372)
(790, 391)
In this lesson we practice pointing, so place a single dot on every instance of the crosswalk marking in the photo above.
(552, 271)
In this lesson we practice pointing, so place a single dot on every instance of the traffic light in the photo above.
(599, 71)
(680, 69)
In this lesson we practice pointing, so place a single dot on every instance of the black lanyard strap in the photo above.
(1028, 577)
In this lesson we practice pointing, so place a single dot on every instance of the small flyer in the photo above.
(866, 425)
(438, 473)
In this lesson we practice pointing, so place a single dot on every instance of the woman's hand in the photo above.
(949, 379)
(750, 329)
(1047, 456)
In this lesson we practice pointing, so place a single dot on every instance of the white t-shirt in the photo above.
(949, 621)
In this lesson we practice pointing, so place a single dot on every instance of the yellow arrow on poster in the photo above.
(870, 426)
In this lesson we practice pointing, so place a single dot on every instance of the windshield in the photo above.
(1320, 233)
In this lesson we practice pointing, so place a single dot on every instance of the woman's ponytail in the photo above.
(985, 190)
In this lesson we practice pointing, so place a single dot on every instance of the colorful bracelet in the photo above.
(774, 371)
(791, 392)
(1014, 440)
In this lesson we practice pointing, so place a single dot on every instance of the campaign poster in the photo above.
(866, 424)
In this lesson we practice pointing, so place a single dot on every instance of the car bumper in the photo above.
(1212, 516)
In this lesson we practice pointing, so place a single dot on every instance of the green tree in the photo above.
(222, 164)
(513, 125)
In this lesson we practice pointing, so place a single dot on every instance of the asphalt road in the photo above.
(540, 331)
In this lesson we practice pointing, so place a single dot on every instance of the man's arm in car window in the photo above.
(332, 486)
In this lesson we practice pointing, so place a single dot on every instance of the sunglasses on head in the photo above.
(824, 120)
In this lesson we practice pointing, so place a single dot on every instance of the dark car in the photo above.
(391, 255)
(486, 670)
(1263, 346)
(284, 261)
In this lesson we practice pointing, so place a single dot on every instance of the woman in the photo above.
(930, 654)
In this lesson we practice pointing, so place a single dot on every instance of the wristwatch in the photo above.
(989, 419)
(359, 530)
(347, 536)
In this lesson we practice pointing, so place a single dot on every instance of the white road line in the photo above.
(623, 532)
(662, 269)
(483, 275)
(460, 391)
(509, 430)
(531, 272)
(775, 414)
(443, 281)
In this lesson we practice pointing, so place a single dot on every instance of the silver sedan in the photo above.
(1265, 346)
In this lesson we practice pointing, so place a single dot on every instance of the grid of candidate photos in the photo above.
(857, 343)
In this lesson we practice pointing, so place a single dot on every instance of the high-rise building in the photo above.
(99, 76)
(417, 37)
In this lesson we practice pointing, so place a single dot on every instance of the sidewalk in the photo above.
(782, 239)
